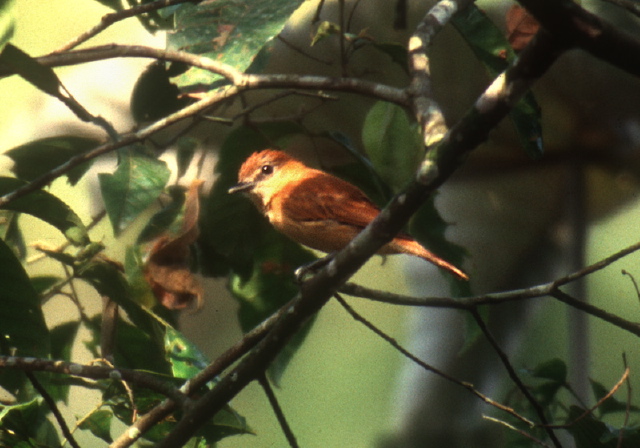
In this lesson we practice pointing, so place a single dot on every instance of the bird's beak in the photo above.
(242, 186)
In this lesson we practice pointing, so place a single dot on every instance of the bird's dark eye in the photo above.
(266, 169)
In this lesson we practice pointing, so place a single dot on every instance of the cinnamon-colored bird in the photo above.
(315, 208)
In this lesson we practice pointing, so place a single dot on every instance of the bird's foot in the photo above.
(308, 269)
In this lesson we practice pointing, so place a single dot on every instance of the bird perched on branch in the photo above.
(315, 208)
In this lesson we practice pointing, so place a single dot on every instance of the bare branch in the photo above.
(358, 317)
(54, 409)
(93, 372)
(114, 17)
(575, 26)
(515, 378)
(273, 401)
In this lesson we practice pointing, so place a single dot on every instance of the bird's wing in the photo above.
(325, 197)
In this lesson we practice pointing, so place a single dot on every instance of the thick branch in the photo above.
(572, 24)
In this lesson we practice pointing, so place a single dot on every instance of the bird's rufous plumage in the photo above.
(315, 208)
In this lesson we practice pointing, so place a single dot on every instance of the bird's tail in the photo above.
(412, 247)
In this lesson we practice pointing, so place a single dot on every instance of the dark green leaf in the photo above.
(270, 286)
(22, 325)
(11, 234)
(162, 220)
(154, 96)
(225, 423)
(62, 339)
(393, 143)
(186, 150)
(591, 433)
(50, 153)
(555, 369)
(43, 282)
(107, 279)
(26, 424)
(227, 31)
(185, 358)
(99, 423)
(397, 52)
(491, 47)
(48, 208)
(41, 76)
(136, 183)
(611, 404)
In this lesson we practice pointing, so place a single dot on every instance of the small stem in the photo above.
(273, 401)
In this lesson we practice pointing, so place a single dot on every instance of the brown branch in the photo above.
(93, 372)
(221, 363)
(575, 26)
(109, 19)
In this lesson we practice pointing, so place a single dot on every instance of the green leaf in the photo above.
(555, 369)
(162, 220)
(99, 423)
(270, 286)
(134, 271)
(11, 233)
(154, 96)
(393, 143)
(185, 358)
(491, 47)
(48, 208)
(136, 183)
(225, 423)
(396, 51)
(42, 283)
(7, 22)
(591, 433)
(611, 404)
(28, 68)
(186, 150)
(227, 31)
(50, 153)
(324, 30)
(22, 325)
(26, 424)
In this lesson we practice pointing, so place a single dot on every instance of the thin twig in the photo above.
(358, 317)
(54, 409)
(514, 377)
(141, 379)
(114, 17)
(627, 411)
(273, 401)
(513, 428)
(221, 363)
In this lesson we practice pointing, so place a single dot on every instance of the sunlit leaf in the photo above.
(136, 183)
(185, 358)
(50, 153)
(48, 208)
(227, 31)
